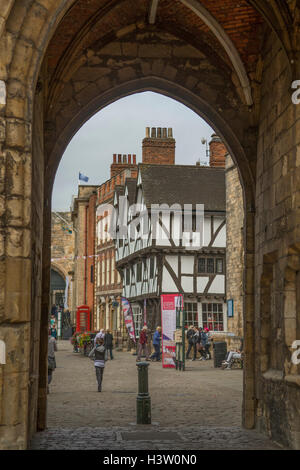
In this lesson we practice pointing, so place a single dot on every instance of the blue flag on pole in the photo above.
(83, 178)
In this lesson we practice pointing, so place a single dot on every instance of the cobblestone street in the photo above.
(202, 406)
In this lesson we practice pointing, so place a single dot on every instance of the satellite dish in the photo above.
(203, 141)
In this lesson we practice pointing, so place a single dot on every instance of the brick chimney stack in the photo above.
(217, 152)
(159, 147)
(122, 162)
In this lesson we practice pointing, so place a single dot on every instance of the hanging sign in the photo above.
(128, 318)
(168, 323)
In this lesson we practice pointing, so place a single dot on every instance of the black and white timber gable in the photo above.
(158, 253)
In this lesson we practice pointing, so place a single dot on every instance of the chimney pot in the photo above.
(115, 158)
(129, 158)
(134, 159)
(147, 132)
(164, 133)
(159, 132)
(170, 133)
(124, 158)
(153, 132)
(217, 152)
(119, 158)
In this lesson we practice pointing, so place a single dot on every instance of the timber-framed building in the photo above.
(160, 255)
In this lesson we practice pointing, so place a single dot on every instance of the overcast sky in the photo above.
(120, 128)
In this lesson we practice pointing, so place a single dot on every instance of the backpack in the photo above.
(51, 363)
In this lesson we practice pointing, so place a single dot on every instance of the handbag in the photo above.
(199, 347)
(51, 363)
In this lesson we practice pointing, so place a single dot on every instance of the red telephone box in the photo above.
(83, 318)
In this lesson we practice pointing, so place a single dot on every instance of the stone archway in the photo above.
(60, 62)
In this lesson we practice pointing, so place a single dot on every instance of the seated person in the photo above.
(233, 355)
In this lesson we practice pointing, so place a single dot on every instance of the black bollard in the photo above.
(143, 400)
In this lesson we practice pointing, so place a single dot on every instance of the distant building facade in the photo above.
(107, 267)
(62, 261)
(166, 257)
(107, 280)
(83, 217)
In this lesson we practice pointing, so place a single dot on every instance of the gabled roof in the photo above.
(184, 184)
(130, 184)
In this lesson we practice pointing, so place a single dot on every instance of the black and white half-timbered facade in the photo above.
(171, 238)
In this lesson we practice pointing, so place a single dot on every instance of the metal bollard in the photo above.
(143, 400)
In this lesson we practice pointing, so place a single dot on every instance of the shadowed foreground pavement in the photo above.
(196, 409)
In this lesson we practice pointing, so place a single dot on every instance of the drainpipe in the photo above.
(85, 261)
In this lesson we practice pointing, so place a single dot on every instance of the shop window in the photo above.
(213, 316)
(138, 319)
(219, 266)
(92, 273)
(191, 313)
(151, 268)
(127, 276)
(210, 266)
(139, 268)
(201, 265)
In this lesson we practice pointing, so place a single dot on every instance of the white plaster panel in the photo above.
(187, 264)
(168, 285)
(201, 283)
(218, 285)
(173, 262)
(187, 283)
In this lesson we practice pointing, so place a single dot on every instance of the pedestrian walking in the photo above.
(203, 339)
(208, 343)
(53, 331)
(143, 345)
(108, 344)
(98, 355)
(156, 345)
(52, 347)
(191, 341)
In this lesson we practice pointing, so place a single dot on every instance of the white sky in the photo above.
(120, 128)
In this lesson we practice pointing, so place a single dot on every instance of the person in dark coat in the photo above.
(143, 345)
(108, 343)
(203, 340)
(98, 355)
(191, 343)
(52, 348)
(53, 331)
(156, 345)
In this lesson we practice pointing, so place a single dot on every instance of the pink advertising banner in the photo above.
(169, 302)
(128, 318)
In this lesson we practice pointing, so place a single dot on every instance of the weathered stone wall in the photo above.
(234, 246)
(277, 260)
(96, 56)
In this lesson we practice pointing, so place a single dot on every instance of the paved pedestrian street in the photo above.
(196, 409)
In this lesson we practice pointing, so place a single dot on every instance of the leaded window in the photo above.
(213, 316)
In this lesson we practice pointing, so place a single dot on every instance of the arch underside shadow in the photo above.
(234, 145)
(171, 90)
